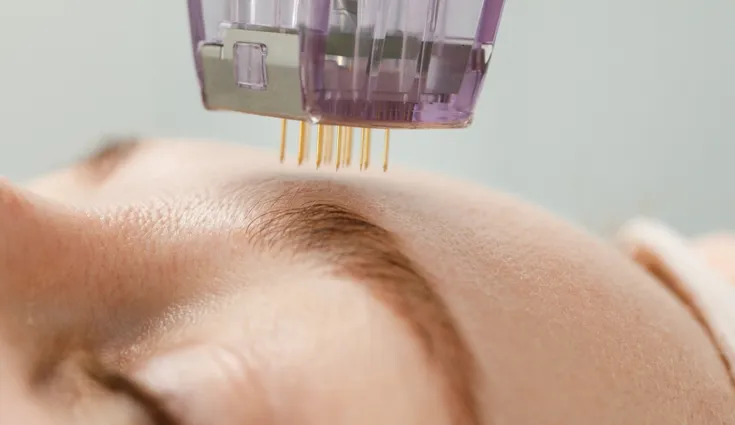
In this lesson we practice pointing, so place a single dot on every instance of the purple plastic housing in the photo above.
(372, 63)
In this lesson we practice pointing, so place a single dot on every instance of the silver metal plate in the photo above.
(279, 96)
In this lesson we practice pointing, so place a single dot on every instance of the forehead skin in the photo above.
(564, 329)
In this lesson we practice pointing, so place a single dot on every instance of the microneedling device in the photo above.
(344, 66)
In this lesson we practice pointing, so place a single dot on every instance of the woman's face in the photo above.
(235, 290)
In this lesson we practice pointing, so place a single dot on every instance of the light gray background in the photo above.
(596, 109)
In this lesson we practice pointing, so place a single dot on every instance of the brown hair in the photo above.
(301, 222)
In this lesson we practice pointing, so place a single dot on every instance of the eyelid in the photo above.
(118, 383)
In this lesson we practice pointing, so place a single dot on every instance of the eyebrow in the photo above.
(106, 159)
(311, 220)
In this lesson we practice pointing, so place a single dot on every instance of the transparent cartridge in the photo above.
(342, 64)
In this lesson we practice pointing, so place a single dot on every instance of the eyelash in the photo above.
(120, 384)
(150, 404)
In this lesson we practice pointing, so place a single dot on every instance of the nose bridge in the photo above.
(108, 275)
(43, 257)
(29, 230)
(54, 265)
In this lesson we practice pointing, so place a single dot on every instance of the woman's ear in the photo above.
(682, 268)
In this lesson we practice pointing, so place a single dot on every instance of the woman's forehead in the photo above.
(542, 307)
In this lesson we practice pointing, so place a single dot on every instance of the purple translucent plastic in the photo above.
(372, 85)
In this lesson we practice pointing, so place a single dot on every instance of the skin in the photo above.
(145, 267)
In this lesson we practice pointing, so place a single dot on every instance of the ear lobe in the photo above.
(708, 294)
(207, 383)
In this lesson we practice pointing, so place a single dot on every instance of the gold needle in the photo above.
(342, 140)
(284, 129)
(362, 148)
(387, 149)
(333, 137)
(369, 149)
(350, 134)
(340, 146)
(365, 152)
(302, 142)
(329, 148)
(319, 145)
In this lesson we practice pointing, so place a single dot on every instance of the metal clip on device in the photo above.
(344, 64)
